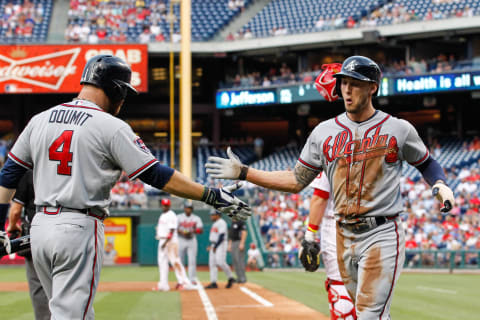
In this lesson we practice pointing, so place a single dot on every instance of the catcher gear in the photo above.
(223, 200)
(231, 168)
(360, 68)
(340, 304)
(444, 194)
(109, 73)
(309, 255)
(325, 82)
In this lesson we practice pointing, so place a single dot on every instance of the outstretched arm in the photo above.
(175, 182)
(288, 181)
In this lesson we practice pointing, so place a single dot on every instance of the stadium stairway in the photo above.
(242, 19)
(59, 21)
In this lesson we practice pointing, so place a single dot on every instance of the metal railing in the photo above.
(423, 259)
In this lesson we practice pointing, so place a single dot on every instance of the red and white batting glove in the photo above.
(325, 82)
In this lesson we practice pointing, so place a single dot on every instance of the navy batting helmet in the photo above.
(360, 68)
(109, 73)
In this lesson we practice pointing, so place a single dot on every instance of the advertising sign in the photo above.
(118, 240)
(242, 98)
(58, 68)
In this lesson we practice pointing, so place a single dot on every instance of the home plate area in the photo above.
(242, 302)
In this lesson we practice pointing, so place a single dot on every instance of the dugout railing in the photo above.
(414, 259)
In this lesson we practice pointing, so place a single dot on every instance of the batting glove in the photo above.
(444, 194)
(5, 241)
(231, 168)
(223, 200)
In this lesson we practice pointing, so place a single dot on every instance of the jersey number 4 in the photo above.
(60, 151)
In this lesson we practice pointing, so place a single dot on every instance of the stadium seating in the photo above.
(24, 22)
(301, 16)
(208, 18)
(245, 153)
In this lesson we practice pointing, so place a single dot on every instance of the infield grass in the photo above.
(417, 296)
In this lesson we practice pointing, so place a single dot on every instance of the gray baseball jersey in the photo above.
(363, 162)
(78, 152)
(218, 227)
(187, 225)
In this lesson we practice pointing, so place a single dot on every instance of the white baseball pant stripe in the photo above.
(166, 255)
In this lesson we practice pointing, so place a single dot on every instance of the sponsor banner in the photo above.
(437, 83)
(118, 240)
(58, 68)
(242, 98)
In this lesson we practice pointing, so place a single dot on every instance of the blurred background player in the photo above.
(23, 202)
(168, 249)
(253, 254)
(322, 210)
(218, 250)
(189, 225)
(237, 235)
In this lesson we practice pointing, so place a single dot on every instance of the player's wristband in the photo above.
(312, 228)
(209, 196)
(243, 173)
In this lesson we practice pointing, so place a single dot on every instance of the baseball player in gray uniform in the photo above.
(217, 256)
(77, 151)
(361, 151)
(189, 225)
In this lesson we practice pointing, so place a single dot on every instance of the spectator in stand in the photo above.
(253, 255)
(145, 36)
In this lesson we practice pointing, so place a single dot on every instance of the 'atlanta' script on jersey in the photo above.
(360, 149)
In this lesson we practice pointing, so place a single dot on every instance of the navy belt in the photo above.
(56, 210)
(365, 224)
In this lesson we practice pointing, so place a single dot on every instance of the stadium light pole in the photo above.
(185, 89)
(171, 17)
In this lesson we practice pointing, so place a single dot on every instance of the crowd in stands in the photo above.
(441, 63)
(94, 21)
(18, 20)
(128, 194)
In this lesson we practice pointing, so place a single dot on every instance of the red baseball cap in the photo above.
(165, 202)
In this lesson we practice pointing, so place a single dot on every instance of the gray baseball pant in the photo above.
(37, 294)
(238, 261)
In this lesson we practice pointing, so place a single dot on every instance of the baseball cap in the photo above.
(188, 204)
(213, 212)
(165, 202)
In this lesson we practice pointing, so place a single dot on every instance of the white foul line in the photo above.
(255, 296)
(437, 290)
(207, 304)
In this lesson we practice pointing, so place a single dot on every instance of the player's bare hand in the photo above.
(14, 229)
(5, 241)
(445, 195)
(227, 203)
(222, 168)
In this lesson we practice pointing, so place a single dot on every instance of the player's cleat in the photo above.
(179, 286)
(212, 285)
(161, 288)
(230, 283)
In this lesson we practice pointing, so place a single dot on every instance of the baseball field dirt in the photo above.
(243, 301)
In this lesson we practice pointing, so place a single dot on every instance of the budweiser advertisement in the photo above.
(58, 68)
